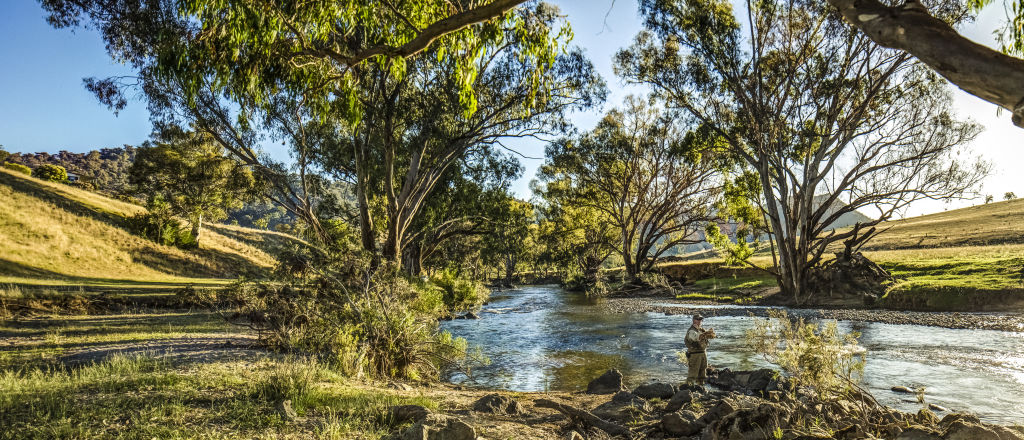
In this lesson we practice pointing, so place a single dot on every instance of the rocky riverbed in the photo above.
(740, 405)
(985, 321)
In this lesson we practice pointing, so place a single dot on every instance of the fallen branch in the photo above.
(585, 417)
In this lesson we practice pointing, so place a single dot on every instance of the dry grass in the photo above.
(52, 233)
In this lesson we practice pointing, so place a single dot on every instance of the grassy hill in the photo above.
(965, 259)
(57, 235)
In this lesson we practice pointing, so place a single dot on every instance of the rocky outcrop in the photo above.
(683, 423)
(756, 423)
(497, 404)
(608, 383)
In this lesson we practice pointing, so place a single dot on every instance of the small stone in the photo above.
(902, 389)
(936, 407)
(284, 408)
(608, 383)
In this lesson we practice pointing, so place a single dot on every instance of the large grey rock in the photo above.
(628, 398)
(655, 390)
(608, 383)
(496, 404)
(680, 398)
(755, 423)
(455, 429)
(681, 423)
(406, 413)
(963, 430)
(439, 427)
(918, 433)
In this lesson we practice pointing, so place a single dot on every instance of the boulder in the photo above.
(471, 315)
(681, 424)
(962, 430)
(439, 427)
(755, 423)
(918, 433)
(716, 412)
(455, 429)
(902, 389)
(655, 390)
(622, 410)
(496, 404)
(939, 408)
(608, 383)
(926, 417)
(961, 417)
(680, 398)
(408, 413)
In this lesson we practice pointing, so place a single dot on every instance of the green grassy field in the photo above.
(965, 259)
(199, 390)
(54, 235)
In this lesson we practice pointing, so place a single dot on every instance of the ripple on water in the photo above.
(547, 339)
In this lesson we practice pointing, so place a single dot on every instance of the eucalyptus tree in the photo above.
(576, 240)
(929, 34)
(224, 66)
(636, 170)
(191, 173)
(830, 121)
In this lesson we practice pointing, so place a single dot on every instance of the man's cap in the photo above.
(698, 316)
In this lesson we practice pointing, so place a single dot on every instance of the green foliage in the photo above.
(18, 167)
(159, 225)
(1011, 37)
(4, 155)
(52, 173)
(191, 173)
(460, 293)
(814, 355)
(736, 252)
(359, 318)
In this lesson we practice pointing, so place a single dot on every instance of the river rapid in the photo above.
(541, 338)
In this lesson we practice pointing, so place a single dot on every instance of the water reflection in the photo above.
(540, 338)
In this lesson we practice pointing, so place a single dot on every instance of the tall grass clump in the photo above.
(459, 293)
(812, 355)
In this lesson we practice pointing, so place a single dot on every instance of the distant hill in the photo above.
(105, 169)
(52, 232)
(982, 225)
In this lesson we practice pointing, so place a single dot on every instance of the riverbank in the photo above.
(181, 375)
(983, 321)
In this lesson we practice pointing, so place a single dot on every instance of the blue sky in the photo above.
(43, 106)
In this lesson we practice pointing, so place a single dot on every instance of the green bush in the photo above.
(336, 305)
(459, 293)
(52, 173)
(814, 355)
(18, 167)
(160, 229)
(4, 155)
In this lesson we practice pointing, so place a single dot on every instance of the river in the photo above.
(541, 338)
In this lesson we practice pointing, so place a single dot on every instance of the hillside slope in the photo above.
(52, 233)
(982, 225)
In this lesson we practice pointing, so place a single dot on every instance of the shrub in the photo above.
(52, 173)
(4, 155)
(459, 293)
(88, 186)
(160, 226)
(360, 318)
(812, 355)
(18, 167)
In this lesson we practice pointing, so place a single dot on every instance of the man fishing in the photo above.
(696, 346)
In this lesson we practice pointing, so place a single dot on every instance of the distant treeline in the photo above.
(106, 171)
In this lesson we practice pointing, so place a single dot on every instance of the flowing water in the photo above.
(542, 338)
